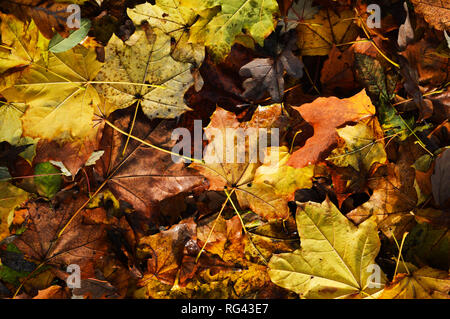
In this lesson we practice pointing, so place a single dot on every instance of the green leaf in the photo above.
(361, 148)
(336, 258)
(48, 185)
(426, 244)
(219, 33)
(392, 123)
(59, 44)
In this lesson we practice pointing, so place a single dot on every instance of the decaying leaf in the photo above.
(435, 12)
(143, 176)
(130, 70)
(79, 243)
(392, 200)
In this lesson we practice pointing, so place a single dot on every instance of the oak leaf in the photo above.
(325, 115)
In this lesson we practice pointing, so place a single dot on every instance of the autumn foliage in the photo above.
(353, 201)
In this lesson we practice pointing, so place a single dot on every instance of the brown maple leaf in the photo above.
(79, 243)
(143, 176)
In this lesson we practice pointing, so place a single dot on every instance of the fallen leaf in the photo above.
(143, 176)
(405, 32)
(392, 200)
(10, 198)
(325, 115)
(175, 20)
(219, 31)
(147, 62)
(318, 35)
(267, 197)
(435, 12)
(361, 149)
(267, 74)
(425, 283)
(48, 181)
(79, 244)
(53, 292)
(440, 178)
(334, 257)
(59, 95)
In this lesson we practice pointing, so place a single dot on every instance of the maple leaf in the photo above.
(361, 149)
(175, 20)
(48, 16)
(435, 12)
(267, 73)
(428, 242)
(53, 292)
(10, 124)
(10, 198)
(325, 115)
(219, 31)
(439, 179)
(72, 155)
(393, 198)
(425, 283)
(59, 95)
(299, 11)
(79, 243)
(266, 197)
(21, 45)
(318, 35)
(433, 69)
(143, 176)
(146, 61)
(334, 255)
(224, 238)
(337, 70)
(166, 250)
